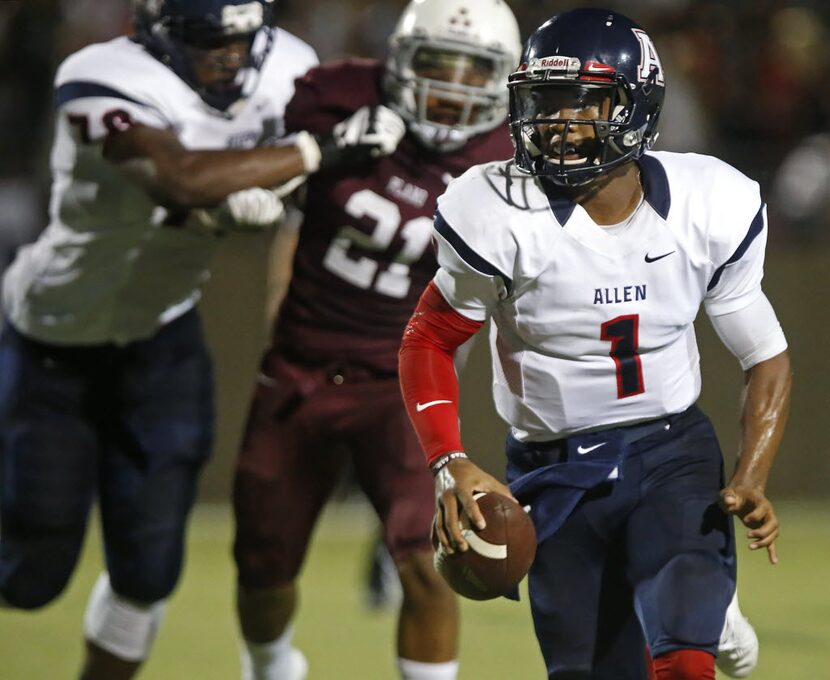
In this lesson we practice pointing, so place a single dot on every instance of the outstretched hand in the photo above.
(370, 132)
(376, 127)
(455, 485)
(756, 511)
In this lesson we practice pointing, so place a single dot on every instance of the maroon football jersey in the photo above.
(364, 255)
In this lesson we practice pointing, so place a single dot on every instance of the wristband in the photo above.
(444, 460)
(310, 151)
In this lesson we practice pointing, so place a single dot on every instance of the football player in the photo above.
(328, 389)
(592, 255)
(105, 381)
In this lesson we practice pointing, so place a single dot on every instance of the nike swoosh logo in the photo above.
(582, 450)
(659, 257)
(423, 407)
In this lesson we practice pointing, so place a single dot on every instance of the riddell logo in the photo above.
(557, 63)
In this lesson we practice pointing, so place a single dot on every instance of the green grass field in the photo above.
(788, 604)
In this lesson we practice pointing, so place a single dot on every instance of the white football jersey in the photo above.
(107, 269)
(593, 327)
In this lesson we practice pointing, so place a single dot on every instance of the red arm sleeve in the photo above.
(428, 381)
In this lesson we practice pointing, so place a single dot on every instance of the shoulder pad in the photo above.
(329, 93)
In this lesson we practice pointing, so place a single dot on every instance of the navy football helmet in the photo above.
(586, 97)
(181, 33)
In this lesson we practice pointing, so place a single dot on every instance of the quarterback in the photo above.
(328, 391)
(162, 139)
(591, 255)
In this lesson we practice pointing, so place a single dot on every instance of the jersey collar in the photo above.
(655, 189)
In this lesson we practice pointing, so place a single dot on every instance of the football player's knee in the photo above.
(124, 628)
(694, 591)
(150, 578)
(31, 593)
(418, 575)
(685, 664)
(151, 585)
(29, 596)
(262, 564)
(38, 578)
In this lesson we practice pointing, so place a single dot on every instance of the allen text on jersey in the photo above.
(610, 296)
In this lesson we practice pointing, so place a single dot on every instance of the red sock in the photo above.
(685, 664)
(652, 674)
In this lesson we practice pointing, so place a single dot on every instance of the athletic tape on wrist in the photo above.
(310, 151)
(444, 460)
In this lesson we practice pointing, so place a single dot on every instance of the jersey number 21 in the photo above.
(363, 271)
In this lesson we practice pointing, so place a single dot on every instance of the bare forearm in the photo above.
(206, 178)
(766, 403)
(184, 178)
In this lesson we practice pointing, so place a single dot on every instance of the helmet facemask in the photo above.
(574, 131)
(446, 92)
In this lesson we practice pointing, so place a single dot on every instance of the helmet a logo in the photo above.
(648, 58)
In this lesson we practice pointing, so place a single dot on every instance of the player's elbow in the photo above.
(776, 369)
(416, 339)
(769, 387)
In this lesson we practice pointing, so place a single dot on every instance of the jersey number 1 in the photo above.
(623, 333)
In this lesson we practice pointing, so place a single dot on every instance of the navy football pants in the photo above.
(649, 558)
(129, 425)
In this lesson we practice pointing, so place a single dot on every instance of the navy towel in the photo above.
(553, 476)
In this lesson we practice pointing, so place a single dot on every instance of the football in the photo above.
(499, 556)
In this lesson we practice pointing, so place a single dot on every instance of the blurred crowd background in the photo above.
(747, 81)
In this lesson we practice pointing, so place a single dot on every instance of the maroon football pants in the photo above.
(303, 426)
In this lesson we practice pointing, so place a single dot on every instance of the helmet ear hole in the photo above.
(651, 81)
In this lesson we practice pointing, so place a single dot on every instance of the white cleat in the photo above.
(299, 665)
(293, 667)
(738, 646)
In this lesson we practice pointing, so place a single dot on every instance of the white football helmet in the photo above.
(454, 54)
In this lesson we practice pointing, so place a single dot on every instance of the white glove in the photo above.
(370, 132)
(376, 126)
(253, 209)
(247, 210)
